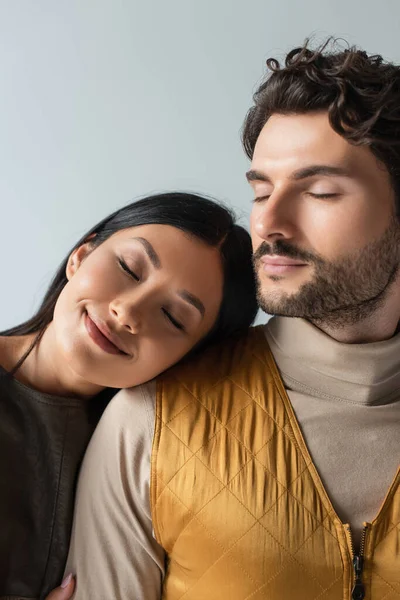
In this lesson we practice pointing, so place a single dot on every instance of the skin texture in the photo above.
(136, 306)
(340, 226)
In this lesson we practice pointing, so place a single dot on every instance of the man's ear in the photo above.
(76, 258)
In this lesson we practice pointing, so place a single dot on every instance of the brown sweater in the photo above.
(42, 442)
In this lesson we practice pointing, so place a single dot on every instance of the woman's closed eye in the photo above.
(128, 270)
(177, 324)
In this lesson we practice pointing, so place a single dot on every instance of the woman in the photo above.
(149, 284)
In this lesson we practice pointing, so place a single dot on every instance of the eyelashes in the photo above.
(317, 196)
(125, 267)
(172, 320)
(260, 198)
(323, 196)
(177, 324)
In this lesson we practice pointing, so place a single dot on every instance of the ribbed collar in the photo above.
(312, 362)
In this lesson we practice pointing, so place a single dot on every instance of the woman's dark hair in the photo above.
(360, 92)
(198, 216)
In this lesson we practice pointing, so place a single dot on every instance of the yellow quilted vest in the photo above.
(236, 500)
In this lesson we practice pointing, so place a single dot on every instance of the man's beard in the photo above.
(340, 293)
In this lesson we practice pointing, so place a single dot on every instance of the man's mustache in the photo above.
(283, 248)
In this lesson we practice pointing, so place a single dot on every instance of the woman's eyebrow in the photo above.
(193, 300)
(151, 253)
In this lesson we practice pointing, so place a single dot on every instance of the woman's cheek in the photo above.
(156, 358)
(99, 280)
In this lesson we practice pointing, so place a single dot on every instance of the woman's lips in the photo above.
(99, 338)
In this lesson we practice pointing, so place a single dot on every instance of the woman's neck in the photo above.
(44, 369)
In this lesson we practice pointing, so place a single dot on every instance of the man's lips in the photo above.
(281, 264)
(101, 334)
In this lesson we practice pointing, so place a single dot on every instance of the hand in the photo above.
(65, 591)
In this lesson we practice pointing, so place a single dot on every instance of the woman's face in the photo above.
(136, 304)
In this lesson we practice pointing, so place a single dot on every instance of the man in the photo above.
(276, 479)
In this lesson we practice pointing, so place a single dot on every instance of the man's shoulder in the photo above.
(130, 406)
(221, 360)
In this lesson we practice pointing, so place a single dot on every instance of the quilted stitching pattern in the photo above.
(234, 502)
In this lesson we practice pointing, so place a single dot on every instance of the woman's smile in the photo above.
(103, 336)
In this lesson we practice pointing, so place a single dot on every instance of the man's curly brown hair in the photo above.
(360, 92)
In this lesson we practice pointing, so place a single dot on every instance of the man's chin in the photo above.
(282, 311)
(285, 296)
(282, 304)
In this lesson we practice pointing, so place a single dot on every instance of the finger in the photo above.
(65, 591)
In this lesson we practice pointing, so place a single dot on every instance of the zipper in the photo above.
(358, 591)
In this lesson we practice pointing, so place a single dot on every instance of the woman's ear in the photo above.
(76, 258)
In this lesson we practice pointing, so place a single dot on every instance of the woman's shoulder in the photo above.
(11, 349)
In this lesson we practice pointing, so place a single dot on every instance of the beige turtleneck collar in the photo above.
(367, 374)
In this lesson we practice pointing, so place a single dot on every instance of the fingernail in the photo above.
(66, 581)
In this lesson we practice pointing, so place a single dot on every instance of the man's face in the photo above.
(326, 241)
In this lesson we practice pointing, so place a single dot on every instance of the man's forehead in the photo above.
(292, 134)
(294, 144)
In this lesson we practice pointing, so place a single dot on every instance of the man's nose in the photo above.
(274, 219)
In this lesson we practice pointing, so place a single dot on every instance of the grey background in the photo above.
(101, 102)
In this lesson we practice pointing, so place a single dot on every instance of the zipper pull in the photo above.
(358, 592)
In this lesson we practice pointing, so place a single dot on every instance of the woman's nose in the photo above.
(126, 315)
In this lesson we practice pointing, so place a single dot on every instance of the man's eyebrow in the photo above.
(319, 170)
(253, 175)
(193, 300)
(311, 171)
(151, 253)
